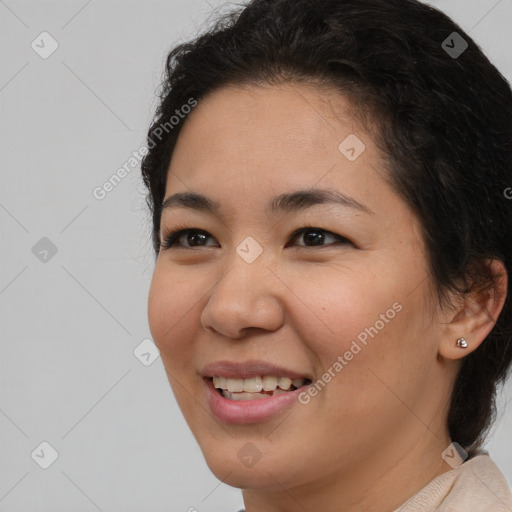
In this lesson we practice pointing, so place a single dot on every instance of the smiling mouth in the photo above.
(255, 388)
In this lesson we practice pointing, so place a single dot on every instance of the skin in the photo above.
(375, 434)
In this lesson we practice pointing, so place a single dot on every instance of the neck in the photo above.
(382, 481)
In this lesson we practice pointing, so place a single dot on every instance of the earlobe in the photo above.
(476, 317)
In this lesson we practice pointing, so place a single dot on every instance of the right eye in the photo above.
(194, 237)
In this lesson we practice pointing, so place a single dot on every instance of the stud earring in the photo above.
(462, 343)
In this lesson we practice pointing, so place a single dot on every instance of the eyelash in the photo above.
(171, 239)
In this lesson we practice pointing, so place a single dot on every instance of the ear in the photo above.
(475, 315)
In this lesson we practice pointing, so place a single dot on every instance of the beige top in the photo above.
(477, 485)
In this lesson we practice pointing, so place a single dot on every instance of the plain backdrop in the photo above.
(75, 270)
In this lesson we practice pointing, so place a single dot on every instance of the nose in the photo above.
(246, 297)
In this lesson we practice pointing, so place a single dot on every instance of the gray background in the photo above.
(70, 323)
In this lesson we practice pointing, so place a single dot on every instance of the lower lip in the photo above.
(244, 412)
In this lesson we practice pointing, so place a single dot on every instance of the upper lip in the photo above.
(248, 369)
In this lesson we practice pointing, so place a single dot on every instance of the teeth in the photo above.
(220, 382)
(235, 385)
(269, 383)
(298, 382)
(253, 385)
(284, 382)
(249, 396)
(243, 396)
(256, 384)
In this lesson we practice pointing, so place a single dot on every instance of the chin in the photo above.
(268, 472)
(262, 476)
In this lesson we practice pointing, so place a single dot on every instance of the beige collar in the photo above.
(477, 485)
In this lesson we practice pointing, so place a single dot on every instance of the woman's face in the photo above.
(348, 304)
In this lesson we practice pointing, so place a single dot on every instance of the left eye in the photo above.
(313, 237)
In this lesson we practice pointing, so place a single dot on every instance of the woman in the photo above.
(328, 183)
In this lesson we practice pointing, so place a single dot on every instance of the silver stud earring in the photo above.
(462, 343)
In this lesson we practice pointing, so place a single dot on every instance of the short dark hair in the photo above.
(444, 122)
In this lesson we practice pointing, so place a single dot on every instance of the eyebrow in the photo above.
(284, 203)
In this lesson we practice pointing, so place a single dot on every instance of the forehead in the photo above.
(288, 132)
(279, 114)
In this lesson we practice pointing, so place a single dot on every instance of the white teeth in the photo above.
(256, 384)
(284, 382)
(253, 385)
(235, 385)
(220, 382)
(269, 383)
(237, 397)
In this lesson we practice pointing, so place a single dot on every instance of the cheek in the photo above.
(171, 304)
(169, 318)
(375, 354)
(337, 307)
(359, 327)
(158, 307)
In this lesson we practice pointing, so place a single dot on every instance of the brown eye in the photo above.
(315, 237)
(193, 237)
